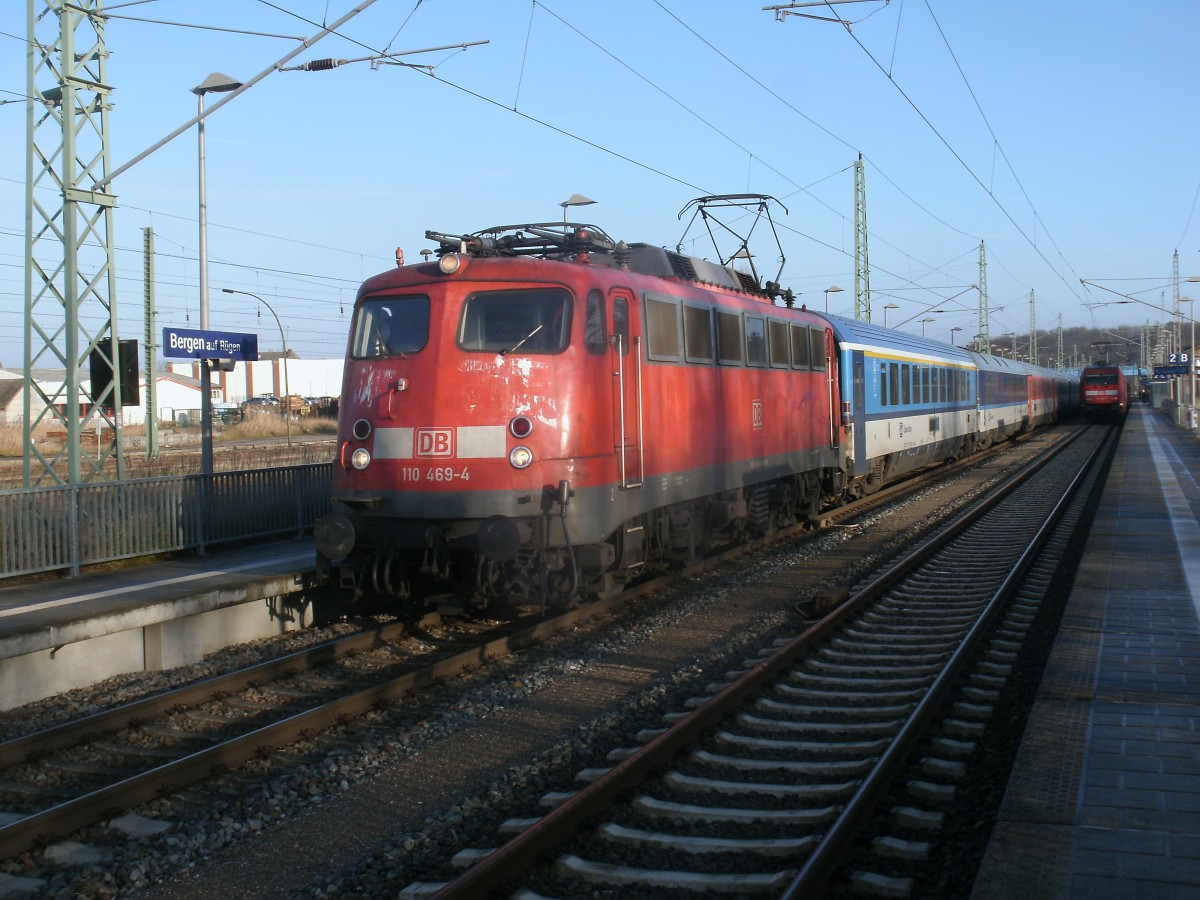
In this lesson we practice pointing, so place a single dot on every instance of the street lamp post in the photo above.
(952, 332)
(885, 310)
(287, 391)
(925, 322)
(214, 83)
(832, 289)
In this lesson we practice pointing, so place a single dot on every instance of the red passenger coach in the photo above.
(1104, 392)
(542, 413)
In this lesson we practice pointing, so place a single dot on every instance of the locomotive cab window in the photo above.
(523, 321)
(620, 325)
(390, 326)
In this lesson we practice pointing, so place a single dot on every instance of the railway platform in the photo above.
(61, 633)
(1104, 801)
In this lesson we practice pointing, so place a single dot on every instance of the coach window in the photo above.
(662, 329)
(756, 341)
(883, 384)
(620, 324)
(595, 335)
(729, 338)
(816, 338)
(777, 337)
(390, 326)
(697, 333)
(799, 347)
(905, 385)
(916, 384)
(894, 384)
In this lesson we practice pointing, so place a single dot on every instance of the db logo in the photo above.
(435, 442)
(756, 413)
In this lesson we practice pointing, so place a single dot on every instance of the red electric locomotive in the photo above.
(542, 413)
(1103, 392)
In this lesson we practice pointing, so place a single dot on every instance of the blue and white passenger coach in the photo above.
(908, 401)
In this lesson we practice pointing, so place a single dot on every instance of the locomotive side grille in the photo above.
(746, 281)
(682, 266)
(661, 263)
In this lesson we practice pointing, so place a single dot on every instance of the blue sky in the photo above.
(1061, 134)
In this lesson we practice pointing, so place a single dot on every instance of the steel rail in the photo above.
(509, 861)
(820, 864)
(29, 746)
(40, 827)
(71, 815)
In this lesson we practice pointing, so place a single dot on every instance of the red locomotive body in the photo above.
(1104, 392)
(521, 426)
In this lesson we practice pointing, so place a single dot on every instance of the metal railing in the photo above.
(67, 526)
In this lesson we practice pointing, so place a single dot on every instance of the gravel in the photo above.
(364, 809)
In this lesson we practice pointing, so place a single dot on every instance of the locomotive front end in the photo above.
(456, 448)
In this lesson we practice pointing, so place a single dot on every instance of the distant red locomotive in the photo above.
(1104, 392)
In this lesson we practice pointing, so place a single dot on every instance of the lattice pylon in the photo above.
(70, 283)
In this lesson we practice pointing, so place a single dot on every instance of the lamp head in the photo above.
(216, 83)
(576, 200)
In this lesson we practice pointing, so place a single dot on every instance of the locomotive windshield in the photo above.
(523, 321)
(390, 326)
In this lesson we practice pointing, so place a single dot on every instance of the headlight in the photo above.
(520, 457)
(450, 263)
(360, 458)
(521, 427)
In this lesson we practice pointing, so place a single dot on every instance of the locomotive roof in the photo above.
(557, 241)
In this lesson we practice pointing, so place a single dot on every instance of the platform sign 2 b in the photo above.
(192, 343)
(1165, 371)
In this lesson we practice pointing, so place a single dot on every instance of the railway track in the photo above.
(765, 785)
(59, 780)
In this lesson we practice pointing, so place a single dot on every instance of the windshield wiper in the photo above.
(517, 346)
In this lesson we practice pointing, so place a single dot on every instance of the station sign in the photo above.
(192, 343)
(1165, 371)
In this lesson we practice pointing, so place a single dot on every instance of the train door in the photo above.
(831, 378)
(627, 387)
(858, 414)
